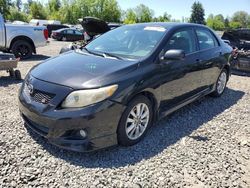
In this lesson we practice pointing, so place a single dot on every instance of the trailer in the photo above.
(8, 63)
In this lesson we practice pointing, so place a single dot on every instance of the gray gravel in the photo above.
(205, 144)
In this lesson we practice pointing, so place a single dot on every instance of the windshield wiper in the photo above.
(91, 52)
(105, 54)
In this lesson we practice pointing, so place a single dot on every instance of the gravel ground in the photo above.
(205, 144)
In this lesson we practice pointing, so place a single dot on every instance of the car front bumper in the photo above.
(61, 126)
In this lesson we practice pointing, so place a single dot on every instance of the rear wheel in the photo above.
(64, 39)
(22, 49)
(135, 121)
(221, 84)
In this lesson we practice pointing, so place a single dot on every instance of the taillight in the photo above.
(46, 34)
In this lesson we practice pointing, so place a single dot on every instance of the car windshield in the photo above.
(130, 41)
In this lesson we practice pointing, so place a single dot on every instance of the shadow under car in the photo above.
(163, 134)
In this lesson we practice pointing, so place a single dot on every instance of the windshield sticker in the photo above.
(155, 28)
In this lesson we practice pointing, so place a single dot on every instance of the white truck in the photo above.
(21, 40)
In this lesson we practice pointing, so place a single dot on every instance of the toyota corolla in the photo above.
(111, 91)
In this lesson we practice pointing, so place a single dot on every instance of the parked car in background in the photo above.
(21, 40)
(239, 38)
(67, 34)
(111, 91)
(241, 60)
(53, 27)
(92, 28)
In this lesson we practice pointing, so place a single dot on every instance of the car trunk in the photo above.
(94, 26)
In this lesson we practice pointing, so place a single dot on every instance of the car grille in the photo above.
(38, 96)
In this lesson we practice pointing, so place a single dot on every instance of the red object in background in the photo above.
(46, 34)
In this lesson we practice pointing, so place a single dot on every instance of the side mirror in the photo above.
(174, 55)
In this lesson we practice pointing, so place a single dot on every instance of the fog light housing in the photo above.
(83, 133)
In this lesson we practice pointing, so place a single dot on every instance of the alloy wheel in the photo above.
(137, 121)
(222, 82)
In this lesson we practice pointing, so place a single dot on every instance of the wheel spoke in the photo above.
(133, 131)
(133, 113)
(144, 115)
(141, 127)
(130, 128)
(137, 132)
(129, 120)
(142, 109)
(138, 109)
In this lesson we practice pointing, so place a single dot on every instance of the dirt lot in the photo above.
(205, 144)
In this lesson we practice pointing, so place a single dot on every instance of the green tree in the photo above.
(37, 11)
(220, 18)
(54, 5)
(165, 18)
(107, 10)
(70, 12)
(226, 22)
(53, 8)
(234, 25)
(18, 4)
(5, 7)
(241, 17)
(198, 13)
(130, 17)
(216, 22)
(15, 14)
(144, 13)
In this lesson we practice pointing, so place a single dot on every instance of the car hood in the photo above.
(78, 70)
(94, 26)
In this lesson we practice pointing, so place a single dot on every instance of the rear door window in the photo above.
(69, 31)
(78, 33)
(206, 39)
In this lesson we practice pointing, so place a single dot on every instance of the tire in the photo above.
(12, 73)
(18, 75)
(64, 39)
(131, 132)
(22, 49)
(222, 79)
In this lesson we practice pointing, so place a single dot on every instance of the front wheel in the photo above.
(135, 121)
(220, 84)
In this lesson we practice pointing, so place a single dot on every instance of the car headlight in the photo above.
(87, 97)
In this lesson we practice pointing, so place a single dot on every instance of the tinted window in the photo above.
(183, 40)
(206, 39)
(78, 33)
(70, 31)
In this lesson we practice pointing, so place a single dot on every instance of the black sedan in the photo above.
(67, 34)
(111, 91)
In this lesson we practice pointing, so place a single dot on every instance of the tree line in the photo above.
(69, 11)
